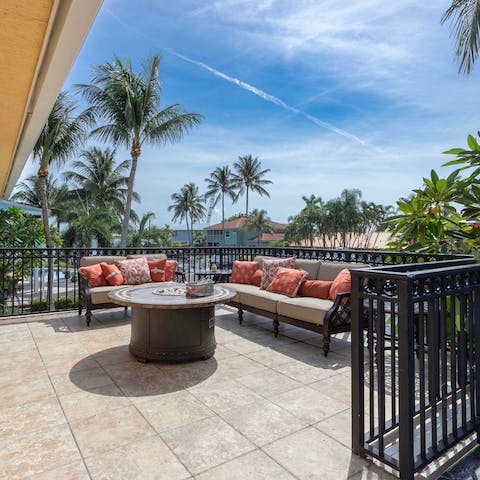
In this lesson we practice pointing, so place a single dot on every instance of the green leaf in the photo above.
(454, 151)
(454, 162)
(472, 143)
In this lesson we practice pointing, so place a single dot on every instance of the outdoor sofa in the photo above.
(316, 314)
(97, 297)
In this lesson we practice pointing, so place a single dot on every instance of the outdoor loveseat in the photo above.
(97, 297)
(316, 314)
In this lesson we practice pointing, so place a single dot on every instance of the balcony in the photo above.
(76, 404)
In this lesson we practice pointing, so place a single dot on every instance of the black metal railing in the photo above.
(415, 361)
(24, 273)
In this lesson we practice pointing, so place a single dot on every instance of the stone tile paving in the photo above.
(75, 405)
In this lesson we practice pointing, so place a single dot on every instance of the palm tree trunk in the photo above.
(188, 227)
(246, 208)
(135, 152)
(223, 220)
(42, 176)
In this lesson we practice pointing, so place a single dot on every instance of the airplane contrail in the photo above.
(269, 98)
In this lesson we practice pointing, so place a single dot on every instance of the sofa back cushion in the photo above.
(87, 261)
(287, 281)
(242, 272)
(94, 275)
(148, 256)
(310, 266)
(329, 270)
(315, 288)
(135, 271)
(112, 274)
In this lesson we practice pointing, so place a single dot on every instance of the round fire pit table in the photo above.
(168, 326)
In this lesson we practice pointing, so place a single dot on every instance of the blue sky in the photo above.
(329, 95)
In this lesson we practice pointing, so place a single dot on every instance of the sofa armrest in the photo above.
(339, 313)
(84, 294)
(180, 276)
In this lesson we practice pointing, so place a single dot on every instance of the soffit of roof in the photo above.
(39, 41)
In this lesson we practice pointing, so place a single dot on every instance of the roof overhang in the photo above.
(39, 41)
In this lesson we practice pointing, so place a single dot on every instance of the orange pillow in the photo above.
(315, 288)
(170, 270)
(341, 284)
(94, 275)
(157, 269)
(287, 281)
(256, 278)
(242, 272)
(112, 274)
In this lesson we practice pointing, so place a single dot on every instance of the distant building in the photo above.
(6, 204)
(237, 236)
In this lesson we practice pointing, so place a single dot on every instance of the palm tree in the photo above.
(61, 136)
(249, 177)
(259, 222)
(28, 193)
(188, 205)
(88, 222)
(137, 238)
(128, 104)
(100, 181)
(220, 183)
(464, 16)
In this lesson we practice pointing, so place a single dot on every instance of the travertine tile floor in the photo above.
(75, 405)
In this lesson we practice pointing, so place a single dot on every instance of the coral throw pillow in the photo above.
(112, 274)
(287, 281)
(270, 269)
(94, 275)
(256, 278)
(242, 272)
(157, 269)
(341, 284)
(134, 271)
(170, 270)
(315, 288)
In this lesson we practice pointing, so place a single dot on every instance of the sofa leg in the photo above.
(276, 324)
(88, 317)
(240, 316)
(326, 345)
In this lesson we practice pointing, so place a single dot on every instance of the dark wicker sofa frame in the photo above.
(336, 320)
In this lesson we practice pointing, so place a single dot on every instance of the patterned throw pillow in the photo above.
(341, 284)
(270, 269)
(242, 272)
(287, 281)
(134, 271)
(94, 275)
(170, 270)
(256, 278)
(315, 288)
(112, 274)
(157, 269)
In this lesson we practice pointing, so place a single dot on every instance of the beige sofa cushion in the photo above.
(261, 299)
(311, 310)
(148, 256)
(100, 294)
(239, 288)
(87, 261)
(310, 266)
(329, 270)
